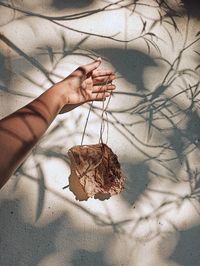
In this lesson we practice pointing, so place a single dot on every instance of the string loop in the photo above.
(104, 118)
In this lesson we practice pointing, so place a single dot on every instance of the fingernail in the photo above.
(98, 59)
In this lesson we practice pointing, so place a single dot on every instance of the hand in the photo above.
(86, 84)
(21, 130)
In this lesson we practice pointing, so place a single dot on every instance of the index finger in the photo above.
(100, 73)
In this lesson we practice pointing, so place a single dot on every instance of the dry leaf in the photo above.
(95, 172)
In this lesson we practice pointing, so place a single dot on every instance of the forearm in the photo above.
(20, 131)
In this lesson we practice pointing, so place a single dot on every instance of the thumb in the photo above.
(92, 66)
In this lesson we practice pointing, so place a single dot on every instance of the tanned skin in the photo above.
(21, 130)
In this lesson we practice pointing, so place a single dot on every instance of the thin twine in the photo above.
(86, 122)
(102, 128)
(103, 119)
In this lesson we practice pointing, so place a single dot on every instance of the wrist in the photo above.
(59, 95)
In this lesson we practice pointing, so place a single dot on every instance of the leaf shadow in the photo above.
(129, 63)
(60, 4)
(192, 7)
(5, 71)
(23, 243)
(84, 257)
(187, 251)
(137, 180)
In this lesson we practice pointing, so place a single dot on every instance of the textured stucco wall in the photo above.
(154, 128)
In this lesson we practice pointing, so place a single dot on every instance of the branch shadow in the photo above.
(186, 138)
(5, 73)
(131, 65)
(193, 128)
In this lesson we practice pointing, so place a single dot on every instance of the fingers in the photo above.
(100, 80)
(92, 66)
(104, 88)
(98, 76)
(89, 86)
(100, 93)
(100, 96)
(97, 93)
(99, 73)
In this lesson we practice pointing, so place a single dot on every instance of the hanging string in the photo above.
(88, 115)
(103, 119)
(102, 127)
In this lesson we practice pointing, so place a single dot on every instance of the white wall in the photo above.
(154, 129)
